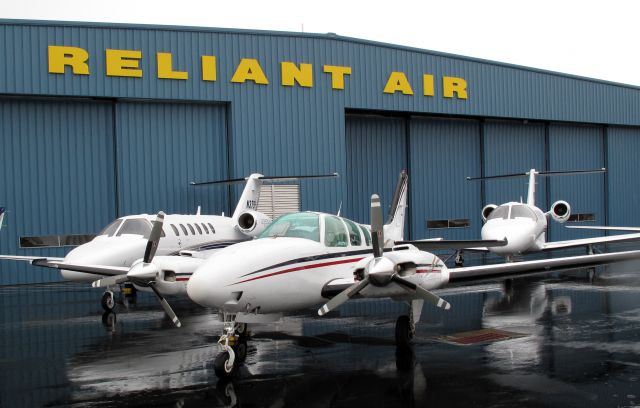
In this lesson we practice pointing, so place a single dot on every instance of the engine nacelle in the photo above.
(252, 223)
(487, 210)
(560, 211)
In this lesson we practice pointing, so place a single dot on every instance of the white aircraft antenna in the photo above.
(339, 209)
(198, 212)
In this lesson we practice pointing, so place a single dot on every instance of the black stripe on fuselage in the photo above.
(311, 259)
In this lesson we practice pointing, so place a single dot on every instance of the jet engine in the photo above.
(252, 223)
(487, 210)
(560, 211)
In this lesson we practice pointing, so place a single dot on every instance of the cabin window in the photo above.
(367, 235)
(198, 228)
(111, 229)
(354, 233)
(193, 232)
(213, 230)
(335, 233)
(136, 226)
(182, 227)
(206, 230)
(175, 230)
(297, 225)
(499, 212)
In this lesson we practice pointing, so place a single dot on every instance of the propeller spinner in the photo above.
(381, 270)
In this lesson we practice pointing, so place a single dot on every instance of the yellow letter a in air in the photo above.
(398, 82)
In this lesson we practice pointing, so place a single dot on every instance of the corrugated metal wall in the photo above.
(443, 153)
(376, 153)
(56, 161)
(576, 148)
(623, 175)
(161, 148)
(513, 147)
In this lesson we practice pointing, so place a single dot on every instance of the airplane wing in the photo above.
(471, 244)
(58, 263)
(590, 241)
(501, 271)
(636, 229)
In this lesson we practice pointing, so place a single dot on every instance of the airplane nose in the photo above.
(519, 239)
(199, 289)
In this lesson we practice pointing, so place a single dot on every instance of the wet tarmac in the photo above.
(579, 347)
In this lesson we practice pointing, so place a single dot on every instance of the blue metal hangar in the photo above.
(103, 120)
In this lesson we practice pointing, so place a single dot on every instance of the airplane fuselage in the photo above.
(523, 225)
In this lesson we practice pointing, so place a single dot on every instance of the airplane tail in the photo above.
(2, 211)
(394, 228)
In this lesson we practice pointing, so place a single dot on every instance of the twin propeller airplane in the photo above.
(311, 260)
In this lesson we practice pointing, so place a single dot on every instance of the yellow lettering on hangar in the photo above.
(128, 63)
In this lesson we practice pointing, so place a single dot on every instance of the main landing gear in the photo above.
(232, 345)
(406, 324)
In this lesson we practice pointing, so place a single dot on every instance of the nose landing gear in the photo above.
(232, 345)
(108, 301)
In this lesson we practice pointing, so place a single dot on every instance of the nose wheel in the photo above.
(108, 301)
(233, 347)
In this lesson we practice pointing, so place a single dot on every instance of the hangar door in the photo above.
(623, 173)
(161, 147)
(376, 153)
(575, 147)
(443, 152)
(56, 161)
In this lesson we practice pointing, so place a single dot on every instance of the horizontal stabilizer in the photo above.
(539, 173)
(431, 245)
(265, 178)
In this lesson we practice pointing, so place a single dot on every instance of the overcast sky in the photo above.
(597, 39)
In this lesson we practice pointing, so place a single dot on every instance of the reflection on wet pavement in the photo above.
(580, 348)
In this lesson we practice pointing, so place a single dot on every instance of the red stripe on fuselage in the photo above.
(428, 270)
(300, 268)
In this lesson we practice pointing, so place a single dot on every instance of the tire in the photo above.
(108, 302)
(241, 329)
(220, 366)
(404, 336)
(241, 350)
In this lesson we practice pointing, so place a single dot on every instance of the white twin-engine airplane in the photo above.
(524, 225)
(114, 256)
(311, 259)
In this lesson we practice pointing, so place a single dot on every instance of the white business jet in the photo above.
(311, 259)
(108, 258)
(524, 225)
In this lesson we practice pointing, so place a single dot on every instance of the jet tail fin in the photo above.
(394, 228)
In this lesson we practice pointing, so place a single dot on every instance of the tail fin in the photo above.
(250, 195)
(394, 228)
(2, 210)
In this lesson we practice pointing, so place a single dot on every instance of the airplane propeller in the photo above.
(381, 270)
(144, 272)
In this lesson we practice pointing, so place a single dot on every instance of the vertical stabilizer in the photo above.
(250, 195)
(531, 195)
(394, 228)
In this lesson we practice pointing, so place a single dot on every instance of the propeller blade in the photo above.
(377, 228)
(165, 305)
(343, 296)
(422, 293)
(109, 281)
(154, 238)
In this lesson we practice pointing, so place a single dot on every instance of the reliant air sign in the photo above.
(127, 63)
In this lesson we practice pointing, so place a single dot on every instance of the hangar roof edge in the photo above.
(327, 36)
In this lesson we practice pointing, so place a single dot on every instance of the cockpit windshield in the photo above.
(499, 212)
(111, 229)
(297, 225)
(136, 226)
(522, 211)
